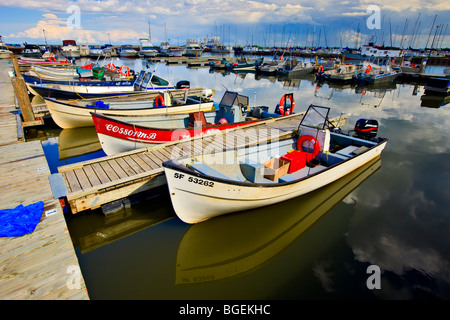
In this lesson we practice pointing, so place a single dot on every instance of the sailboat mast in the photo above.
(431, 30)
(149, 33)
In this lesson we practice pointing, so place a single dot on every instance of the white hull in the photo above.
(149, 53)
(71, 53)
(112, 145)
(128, 55)
(70, 116)
(197, 199)
(5, 54)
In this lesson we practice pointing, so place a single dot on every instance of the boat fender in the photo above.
(111, 67)
(125, 74)
(222, 121)
(369, 68)
(159, 101)
(312, 140)
(289, 110)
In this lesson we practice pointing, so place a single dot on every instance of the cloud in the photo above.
(56, 29)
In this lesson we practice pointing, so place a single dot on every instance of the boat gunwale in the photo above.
(62, 102)
(171, 164)
(105, 117)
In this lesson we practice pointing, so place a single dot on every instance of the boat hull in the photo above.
(196, 198)
(119, 136)
(69, 116)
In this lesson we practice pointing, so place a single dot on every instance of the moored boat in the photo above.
(76, 113)
(124, 133)
(146, 81)
(239, 179)
(344, 73)
(70, 49)
(378, 74)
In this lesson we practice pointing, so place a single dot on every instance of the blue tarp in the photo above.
(20, 220)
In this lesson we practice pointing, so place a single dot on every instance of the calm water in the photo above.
(392, 213)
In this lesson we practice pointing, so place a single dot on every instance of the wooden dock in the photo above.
(36, 265)
(90, 184)
(43, 264)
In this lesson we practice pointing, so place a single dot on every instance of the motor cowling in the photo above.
(183, 84)
(366, 128)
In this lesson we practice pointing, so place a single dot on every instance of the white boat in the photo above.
(5, 53)
(95, 52)
(231, 245)
(164, 48)
(147, 49)
(31, 51)
(75, 114)
(70, 49)
(46, 72)
(299, 69)
(376, 73)
(344, 73)
(175, 51)
(192, 48)
(238, 179)
(127, 51)
(372, 52)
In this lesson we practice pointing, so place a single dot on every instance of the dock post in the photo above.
(21, 91)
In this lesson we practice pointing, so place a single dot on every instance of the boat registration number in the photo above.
(194, 180)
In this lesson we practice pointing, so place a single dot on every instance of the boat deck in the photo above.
(90, 184)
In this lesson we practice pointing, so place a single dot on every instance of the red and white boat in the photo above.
(124, 133)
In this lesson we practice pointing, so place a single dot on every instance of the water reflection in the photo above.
(230, 245)
(397, 219)
(93, 230)
(77, 142)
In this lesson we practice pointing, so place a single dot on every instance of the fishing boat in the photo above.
(376, 74)
(124, 133)
(271, 66)
(146, 81)
(344, 73)
(238, 179)
(70, 49)
(76, 113)
(235, 244)
(299, 68)
(244, 64)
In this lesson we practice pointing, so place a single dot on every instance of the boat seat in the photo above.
(207, 170)
(198, 119)
(252, 171)
(300, 174)
(347, 151)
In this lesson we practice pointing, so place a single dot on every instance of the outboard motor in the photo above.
(183, 84)
(366, 129)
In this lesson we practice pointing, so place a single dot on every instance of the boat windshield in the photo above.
(232, 98)
(316, 117)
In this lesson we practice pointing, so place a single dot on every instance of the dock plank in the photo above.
(95, 181)
(101, 174)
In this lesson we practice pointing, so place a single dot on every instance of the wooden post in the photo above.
(21, 91)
